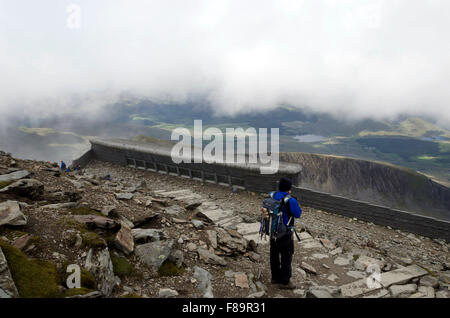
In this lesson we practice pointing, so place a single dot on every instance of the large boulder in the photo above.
(10, 214)
(14, 176)
(7, 287)
(203, 278)
(100, 265)
(29, 188)
(155, 253)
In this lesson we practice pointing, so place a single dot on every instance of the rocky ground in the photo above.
(138, 233)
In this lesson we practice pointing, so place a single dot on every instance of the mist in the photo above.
(350, 58)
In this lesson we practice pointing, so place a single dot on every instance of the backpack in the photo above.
(274, 225)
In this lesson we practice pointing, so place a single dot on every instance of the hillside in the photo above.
(374, 182)
(137, 233)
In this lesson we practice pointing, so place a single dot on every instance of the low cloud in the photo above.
(351, 58)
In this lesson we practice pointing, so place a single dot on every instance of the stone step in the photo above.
(173, 194)
(397, 276)
(248, 228)
(231, 222)
(216, 215)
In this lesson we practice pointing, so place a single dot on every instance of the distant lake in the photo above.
(310, 138)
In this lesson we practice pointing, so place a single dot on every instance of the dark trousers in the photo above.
(281, 252)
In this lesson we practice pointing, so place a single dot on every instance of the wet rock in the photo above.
(210, 258)
(203, 278)
(99, 264)
(155, 253)
(28, 188)
(10, 214)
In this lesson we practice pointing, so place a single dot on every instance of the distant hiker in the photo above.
(279, 212)
(63, 166)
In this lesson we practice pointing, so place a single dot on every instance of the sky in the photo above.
(349, 58)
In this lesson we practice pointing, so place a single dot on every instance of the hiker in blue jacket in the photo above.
(284, 247)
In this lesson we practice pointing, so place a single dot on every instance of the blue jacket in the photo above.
(294, 206)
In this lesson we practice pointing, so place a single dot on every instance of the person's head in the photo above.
(285, 185)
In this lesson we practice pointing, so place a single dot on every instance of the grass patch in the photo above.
(92, 239)
(121, 266)
(11, 234)
(4, 184)
(34, 278)
(87, 279)
(168, 268)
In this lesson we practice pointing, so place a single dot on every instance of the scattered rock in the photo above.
(429, 281)
(308, 268)
(109, 210)
(124, 196)
(342, 261)
(210, 258)
(155, 253)
(203, 278)
(22, 241)
(10, 214)
(315, 292)
(212, 237)
(241, 280)
(397, 290)
(167, 293)
(124, 240)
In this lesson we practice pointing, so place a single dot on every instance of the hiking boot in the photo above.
(287, 286)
